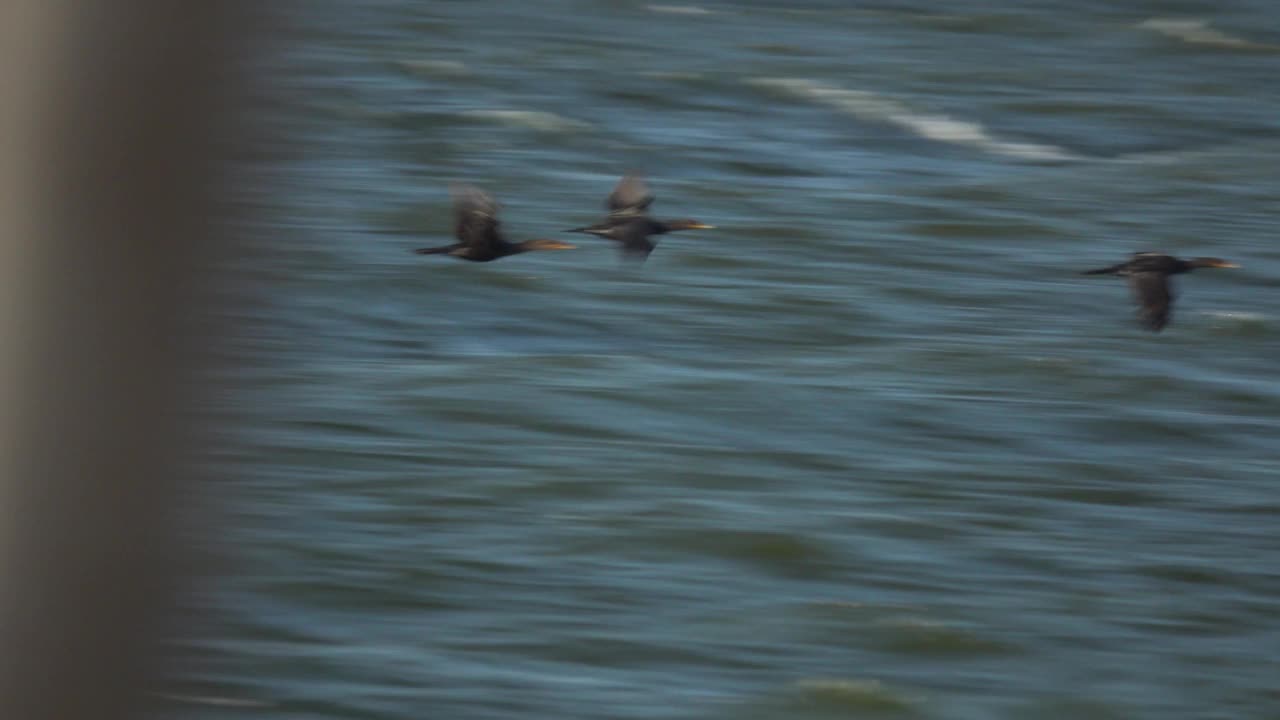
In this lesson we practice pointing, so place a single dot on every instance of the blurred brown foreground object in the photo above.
(113, 129)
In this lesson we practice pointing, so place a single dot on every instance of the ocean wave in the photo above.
(532, 119)
(1219, 155)
(1198, 32)
(869, 106)
(678, 9)
(433, 68)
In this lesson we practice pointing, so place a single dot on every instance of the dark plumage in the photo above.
(476, 227)
(1148, 275)
(629, 222)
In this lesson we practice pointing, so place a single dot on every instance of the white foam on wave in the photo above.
(678, 9)
(1236, 315)
(866, 105)
(533, 119)
(1198, 32)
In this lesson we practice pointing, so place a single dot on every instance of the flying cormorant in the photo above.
(476, 227)
(629, 222)
(1148, 274)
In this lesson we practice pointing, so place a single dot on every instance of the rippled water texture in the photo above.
(870, 448)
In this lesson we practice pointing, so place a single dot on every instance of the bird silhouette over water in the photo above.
(476, 227)
(629, 222)
(1148, 274)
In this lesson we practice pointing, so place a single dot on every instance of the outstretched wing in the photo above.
(476, 219)
(631, 197)
(1154, 297)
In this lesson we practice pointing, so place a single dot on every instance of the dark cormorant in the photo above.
(1148, 274)
(629, 222)
(476, 228)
